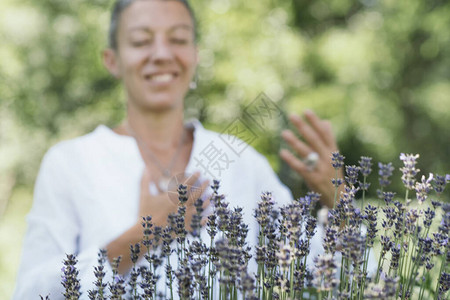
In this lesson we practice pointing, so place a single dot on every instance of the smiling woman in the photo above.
(155, 54)
(92, 191)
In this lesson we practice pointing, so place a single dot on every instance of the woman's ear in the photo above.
(111, 62)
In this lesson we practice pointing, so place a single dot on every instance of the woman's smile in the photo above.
(161, 79)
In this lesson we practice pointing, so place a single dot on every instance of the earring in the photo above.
(193, 83)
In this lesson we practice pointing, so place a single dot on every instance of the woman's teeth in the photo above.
(162, 77)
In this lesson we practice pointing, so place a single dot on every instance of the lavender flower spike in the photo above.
(385, 171)
(325, 278)
(365, 165)
(284, 257)
(440, 182)
(337, 160)
(409, 170)
(352, 174)
(69, 278)
(423, 188)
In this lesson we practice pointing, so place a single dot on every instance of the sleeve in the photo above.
(53, 231)
(269, 181)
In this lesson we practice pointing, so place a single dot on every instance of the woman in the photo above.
(87, 194)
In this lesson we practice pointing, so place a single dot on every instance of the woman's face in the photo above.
(156, 55)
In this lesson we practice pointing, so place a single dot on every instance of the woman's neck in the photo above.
(159, 130)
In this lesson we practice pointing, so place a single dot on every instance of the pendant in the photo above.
(163, 184)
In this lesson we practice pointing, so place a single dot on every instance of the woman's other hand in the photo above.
(318, 138)
(161, 205)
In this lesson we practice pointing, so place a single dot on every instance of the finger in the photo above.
(329, 135)
(300, 147)
(296, 164)
(310, 135)
(323, 128)
(204, 221)
(197, 192)
(191, 179)
(206, 203)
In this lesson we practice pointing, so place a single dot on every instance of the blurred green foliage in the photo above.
(378, 69)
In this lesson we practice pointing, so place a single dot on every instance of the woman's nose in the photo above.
(161, 51)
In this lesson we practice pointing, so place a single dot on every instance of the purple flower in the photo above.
(337, 181)
(352, 174)
(196, 222)
(246, 284)
(284, 256)
(182, 194)
(117, 287)
(385, 171)
(185, 281)
(388, 197)
(99, 273)
(444, 284)
(337, 160)
(365, 165)
(69, 278)
(409, 170)
(215, 186)
(353, 244)
(445, 224)
(325, 278)
(429, 216)
(148, 283)
(386, 244)
(410, 220)
(440, 182)
(395, 250)
(330, 240)
(399, 217)
(292, 219)
(263, 212)
(382, 291)
(371, 217)
(134, 252)
(423, 188)
(387, 222)
(211, 226)
(310, 227)
(167, 240)
(439, 241)
(147, 230)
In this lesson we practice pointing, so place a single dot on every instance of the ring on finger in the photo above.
(311, 161)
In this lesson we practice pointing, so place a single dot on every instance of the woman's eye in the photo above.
(140, 43)
(179, 41)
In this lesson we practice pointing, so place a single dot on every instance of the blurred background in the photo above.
(378, 69)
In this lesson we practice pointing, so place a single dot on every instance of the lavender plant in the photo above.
(409, 237)
(69, 278)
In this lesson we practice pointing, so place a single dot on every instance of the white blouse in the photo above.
(87, 194)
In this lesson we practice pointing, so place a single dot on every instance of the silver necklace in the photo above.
(166, 172)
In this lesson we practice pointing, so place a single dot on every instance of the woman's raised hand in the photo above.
(315, 150)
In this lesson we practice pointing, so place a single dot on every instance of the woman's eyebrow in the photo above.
(181, 26)
(172, 28)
